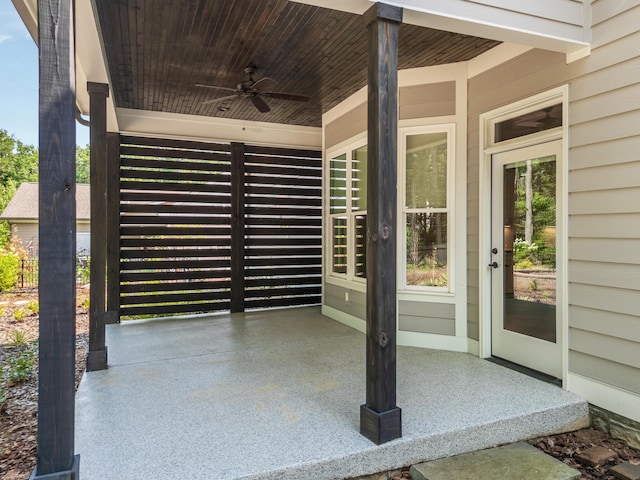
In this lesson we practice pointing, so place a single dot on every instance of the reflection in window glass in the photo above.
(338, 184)
(361, 246)
(426, 209)
(339, 254)
(528, 123)
(359, 179)
(426, 174)
(427, 249)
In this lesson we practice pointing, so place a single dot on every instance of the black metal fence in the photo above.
(28, 276)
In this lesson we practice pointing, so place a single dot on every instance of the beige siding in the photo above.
(28, 233)
(436, 318)
(604, 185)
(348, 125)
(335, 297)
(431, 100)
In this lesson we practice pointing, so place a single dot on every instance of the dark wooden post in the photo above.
(380, 418)
(237, 227)
(113, 228)
(57, 233)
(97, 355)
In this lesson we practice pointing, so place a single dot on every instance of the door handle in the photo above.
(494, 265)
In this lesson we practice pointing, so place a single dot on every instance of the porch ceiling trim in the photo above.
(571, 34)
(180, 126)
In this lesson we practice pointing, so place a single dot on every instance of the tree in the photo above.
(82, 164)
(18, 163)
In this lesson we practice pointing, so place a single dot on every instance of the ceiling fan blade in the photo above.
(260, 104)
(264, 84)
(221, 99)
(287, 96)
(216, 88)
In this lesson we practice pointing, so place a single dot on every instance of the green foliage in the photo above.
(20, 367)
(33, 307)
(85, 303)
(533, 286)
(19, 314)
(83, 270)
(9, 269)
(82, 164)
(18, 339)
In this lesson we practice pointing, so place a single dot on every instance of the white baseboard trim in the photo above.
(344, 318)
(429, 340)
(605, 396)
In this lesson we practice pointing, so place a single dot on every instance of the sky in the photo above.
(19, 80)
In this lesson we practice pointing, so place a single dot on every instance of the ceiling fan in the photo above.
(254, 91)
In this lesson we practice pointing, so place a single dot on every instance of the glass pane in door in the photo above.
(529, 229)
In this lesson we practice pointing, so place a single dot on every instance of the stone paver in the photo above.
(518, 460)
(626, 471)
(596, 456)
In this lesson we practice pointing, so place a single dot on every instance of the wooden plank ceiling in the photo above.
(158, 50)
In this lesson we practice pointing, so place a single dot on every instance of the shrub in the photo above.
(19, 314)
(20, 367)
(18, 339)
(9, 270)
(33, 307)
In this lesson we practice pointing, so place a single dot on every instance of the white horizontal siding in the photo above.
(606, 323)
(616, 275)
(610, 250)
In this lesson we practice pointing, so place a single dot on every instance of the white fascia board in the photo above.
(574, 49)
(350, 6)
(28, 11)
(174, 125)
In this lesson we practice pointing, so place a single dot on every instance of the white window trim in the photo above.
(488, 147)
(348, 280)
(403, 133)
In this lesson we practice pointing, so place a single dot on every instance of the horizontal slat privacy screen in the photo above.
(176, 227)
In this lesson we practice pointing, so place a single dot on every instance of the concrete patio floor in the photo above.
(277, 395)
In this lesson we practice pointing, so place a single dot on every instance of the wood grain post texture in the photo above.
(237, 227)
(57, 233)
(380, 418)
(97, 355)
(113, 228)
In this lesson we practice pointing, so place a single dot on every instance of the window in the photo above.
(425, 209)
(348, 212)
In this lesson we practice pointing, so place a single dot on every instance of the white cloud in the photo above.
(4, 37)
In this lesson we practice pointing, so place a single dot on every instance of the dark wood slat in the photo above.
(281, 291)
(283, 171)
(173, 242)
(174, 286)
(170, 197)
(133, 277)
(290, 232)
(169, 309)
(281, 241)
(174, 219)
(290, 210)
(255, 178)
(219, 161)
(170, 143)
(297, 270)
(279, 221)
(258, 252)
(278, 201)
(280, 281)
(137, 173)
(57, 233)
(150, 299)
(281, 262)
(174, 209)
(237, 226)
(309, 166)
(173, 264)
(174, 230)
(177, 253)
(284, 152)
(174, 186)
(266, 190)
(259, 303)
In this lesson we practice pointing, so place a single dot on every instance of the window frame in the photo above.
(348, 148)
(403, 133)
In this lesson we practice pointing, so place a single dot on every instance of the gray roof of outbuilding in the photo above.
(24, 204)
